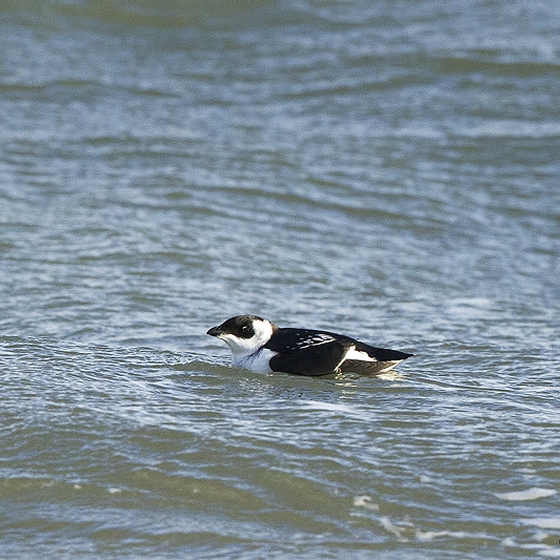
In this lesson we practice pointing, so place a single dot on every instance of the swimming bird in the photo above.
(259, 345)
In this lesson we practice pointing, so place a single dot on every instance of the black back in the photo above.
(312, 352)
(307, 352)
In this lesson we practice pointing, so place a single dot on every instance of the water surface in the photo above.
(388, 170)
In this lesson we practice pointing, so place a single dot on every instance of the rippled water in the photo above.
(388, 170)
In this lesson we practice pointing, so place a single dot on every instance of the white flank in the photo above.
(354, 354)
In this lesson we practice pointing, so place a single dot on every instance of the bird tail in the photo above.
(374, 361)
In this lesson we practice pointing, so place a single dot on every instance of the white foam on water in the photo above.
(543, 522)
(529, 494)
(553, 552)
(333, 407)
(365, 502)
(389, 526)
(537, 548)
(391, 376)
(427, 536)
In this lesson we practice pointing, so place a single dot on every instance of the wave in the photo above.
(170, 14)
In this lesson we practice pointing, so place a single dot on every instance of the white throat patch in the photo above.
(243, 347)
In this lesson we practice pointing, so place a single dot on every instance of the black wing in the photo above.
(307, 352)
